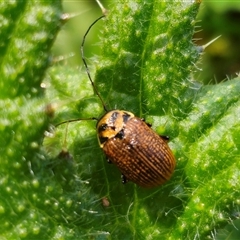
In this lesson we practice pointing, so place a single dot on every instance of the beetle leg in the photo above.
(124, 179)
(109, 161)
(165, 138)
(149, 124)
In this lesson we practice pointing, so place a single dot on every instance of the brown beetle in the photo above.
(141, 155)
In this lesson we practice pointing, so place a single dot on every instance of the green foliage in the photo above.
(222, 58)
(56, 191)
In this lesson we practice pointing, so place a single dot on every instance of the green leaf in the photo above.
(28, 29)
(62, 190)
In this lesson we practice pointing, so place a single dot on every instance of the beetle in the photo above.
(141, 155)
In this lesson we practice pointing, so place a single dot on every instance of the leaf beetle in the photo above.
(141, 155)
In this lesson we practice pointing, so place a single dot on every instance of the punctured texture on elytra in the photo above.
(141, 155)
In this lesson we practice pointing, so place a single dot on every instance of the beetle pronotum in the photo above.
(141, 155)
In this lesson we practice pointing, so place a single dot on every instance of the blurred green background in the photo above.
(82, 14)
(220, 61)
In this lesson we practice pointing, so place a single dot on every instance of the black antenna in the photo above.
(75, 120)
(86, 66)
